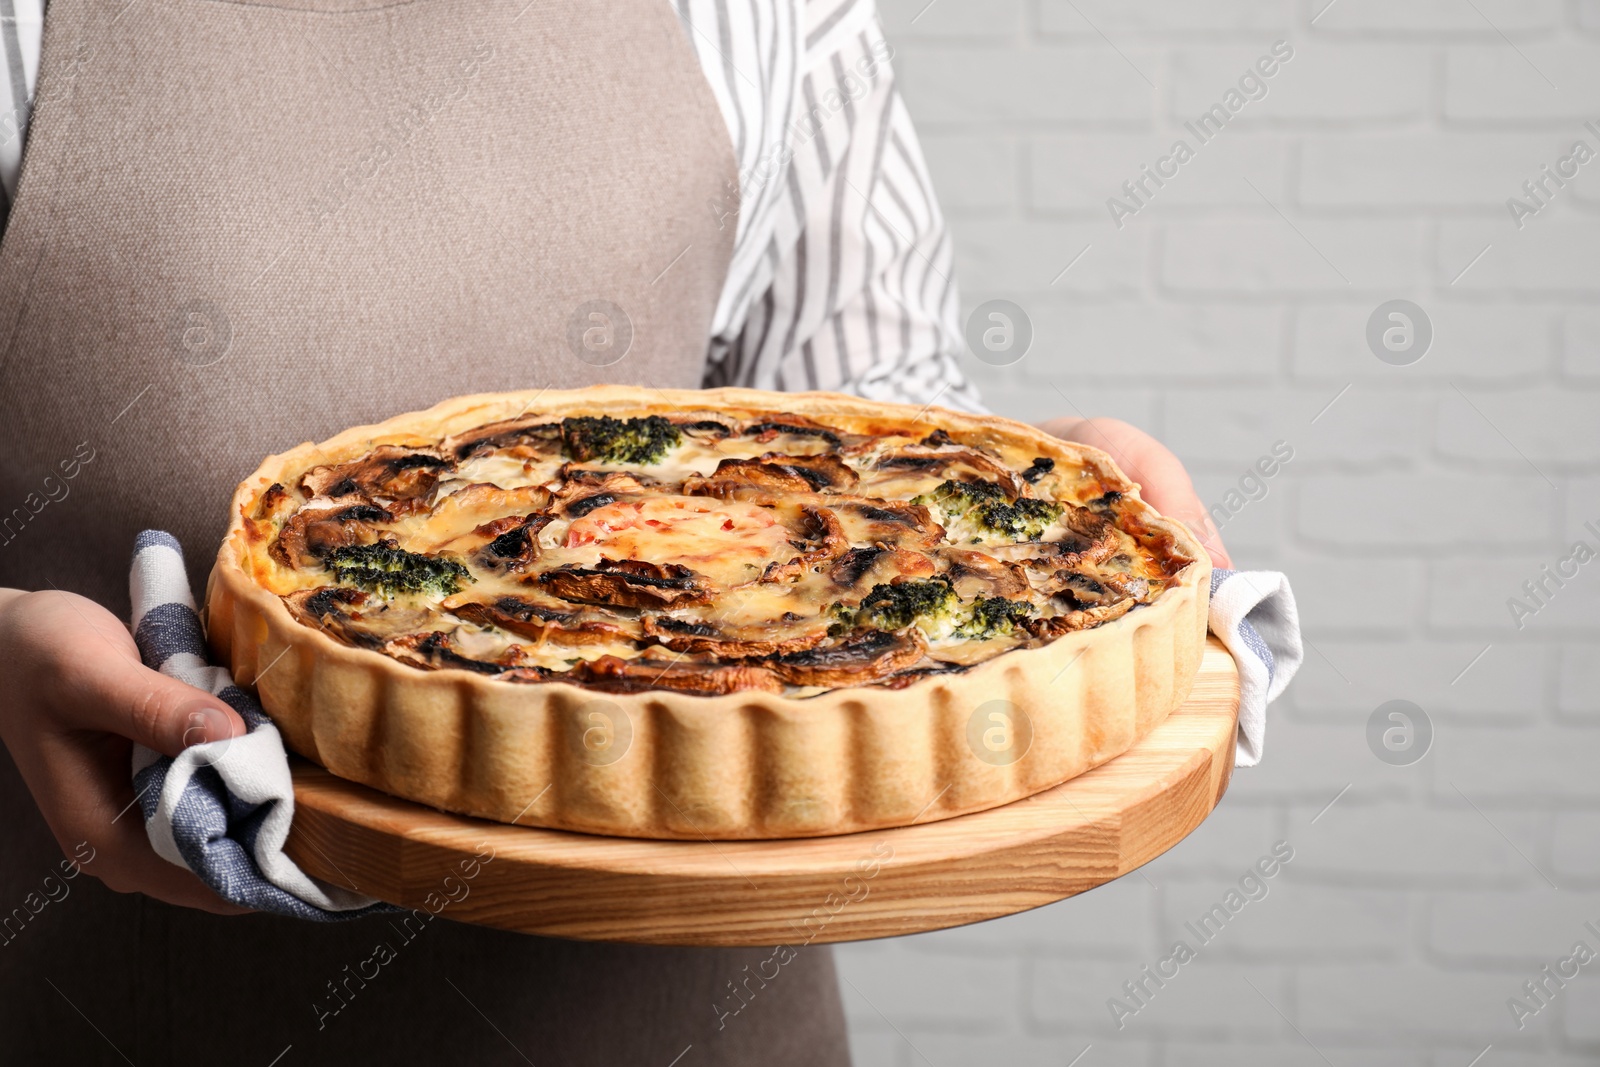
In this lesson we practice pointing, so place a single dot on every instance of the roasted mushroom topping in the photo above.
(628, 583)
(387, 473)
(865, 656)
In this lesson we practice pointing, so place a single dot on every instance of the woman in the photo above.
(238, 226)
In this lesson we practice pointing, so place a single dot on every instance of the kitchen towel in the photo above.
(1253, 613)
(222, 809)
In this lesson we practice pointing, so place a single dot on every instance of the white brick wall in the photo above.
(1224, 316)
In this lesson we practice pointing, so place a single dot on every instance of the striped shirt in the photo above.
(841, 276)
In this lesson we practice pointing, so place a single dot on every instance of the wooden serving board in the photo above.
(879, 883)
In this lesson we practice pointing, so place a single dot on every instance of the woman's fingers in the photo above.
(1163, 482)
(78, 699)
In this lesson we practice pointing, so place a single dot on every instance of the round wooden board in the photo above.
(879, 883)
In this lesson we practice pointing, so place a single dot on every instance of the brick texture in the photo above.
(1227, 312)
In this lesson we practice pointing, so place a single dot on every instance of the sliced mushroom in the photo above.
(865, 656)
(311, 534)
(531, 434)
(354, 615)
(728, 642)
(436, 651)
(557, 623)
(887, 522)
(818, 536)
(387, 473)
(974, 574)
(771, 476)
(628, 583)
(514, 544)
(612, 674)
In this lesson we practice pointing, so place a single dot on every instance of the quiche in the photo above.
(721, 613)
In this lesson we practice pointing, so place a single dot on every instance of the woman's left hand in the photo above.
(1163, 483)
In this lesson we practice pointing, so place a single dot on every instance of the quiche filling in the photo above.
(706, 553)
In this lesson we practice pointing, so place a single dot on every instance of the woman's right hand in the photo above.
(75, 698)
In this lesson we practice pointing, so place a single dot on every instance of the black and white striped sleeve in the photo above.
(841, 277)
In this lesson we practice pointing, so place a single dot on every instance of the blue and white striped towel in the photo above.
(1253, 613)
(223, 809)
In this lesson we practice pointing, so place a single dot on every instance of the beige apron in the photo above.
(241, 225)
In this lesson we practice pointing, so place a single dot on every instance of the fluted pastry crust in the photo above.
(786, 754)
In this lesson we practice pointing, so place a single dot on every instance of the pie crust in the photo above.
(737, 765)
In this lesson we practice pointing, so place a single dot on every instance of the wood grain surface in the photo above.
(881, 883)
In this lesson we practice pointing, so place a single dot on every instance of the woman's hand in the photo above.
(75, 698)
(1163, 483)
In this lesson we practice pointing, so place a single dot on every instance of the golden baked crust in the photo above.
(753, 745)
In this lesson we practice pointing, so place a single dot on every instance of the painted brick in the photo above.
(1023, 261)
(1204, 996)
(1308, 762)
(1551, 426)
(1540, 763)
(1087, 84)
(1554, 254)
(1402, 845)
(1423, 513)
(1578, 683)
(1323, 593)
(1080, 173)
(1127, 341)
(1580, 1014)
(972, 172)
(1406, 1001)
(1236, 428)
(1522, 930)
(1507, 343)
(877, 1049)
(1295, 921)
(909, 19)
(1269, 257)
(1505, 684)
(1477, 597)
(1280, 1054)
(1166, 16)
(1407, 171)
(1325, 82)
(1434, 16)
(1031, 1050)
(1575, 848)
(1491, 81)
(1580, 343)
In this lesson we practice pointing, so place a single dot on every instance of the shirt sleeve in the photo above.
(845, 282)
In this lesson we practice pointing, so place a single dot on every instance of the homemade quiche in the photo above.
(718, 613)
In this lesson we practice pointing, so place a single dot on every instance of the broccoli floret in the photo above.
(984, 509)
(611, 440)
(896, 605)
(388, 569)
(993, 616)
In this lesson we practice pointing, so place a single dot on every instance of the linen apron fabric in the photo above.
(240, 226)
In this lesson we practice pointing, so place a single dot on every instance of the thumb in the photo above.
(119, 696)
